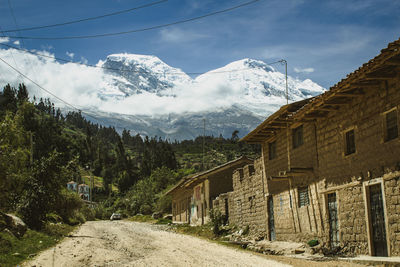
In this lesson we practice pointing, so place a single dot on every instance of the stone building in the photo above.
(192, 196)
(331, 164)
(245, 205)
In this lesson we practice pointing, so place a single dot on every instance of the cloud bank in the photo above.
(80, 86)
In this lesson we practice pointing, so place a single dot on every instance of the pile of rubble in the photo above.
(260, 245)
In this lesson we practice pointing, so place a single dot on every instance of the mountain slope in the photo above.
(237, 96)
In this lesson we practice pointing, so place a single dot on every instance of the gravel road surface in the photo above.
(125, 243)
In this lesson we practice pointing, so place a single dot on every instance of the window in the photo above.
(350, 143)
(251, 170)
(272, 150)
(241, 174)
(392, 131)
(303, 196)
(297, 134)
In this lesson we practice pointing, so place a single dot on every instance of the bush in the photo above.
(88, 213)
(313, 243)
(53, 218)
(164, 204)
(68, 204)
(80, 217)
(217, 220)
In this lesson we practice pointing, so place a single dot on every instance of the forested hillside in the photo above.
(42, 149)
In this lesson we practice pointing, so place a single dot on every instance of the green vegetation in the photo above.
(42, 149)
(14, 250)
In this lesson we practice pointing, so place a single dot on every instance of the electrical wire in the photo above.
(86, 19)
(137, 30)
(114, 69)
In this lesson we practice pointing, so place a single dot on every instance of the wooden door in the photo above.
(333, 220)
(377, 217)
(271, 220)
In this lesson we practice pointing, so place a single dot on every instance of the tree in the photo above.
(14, 160)
(42, 190)
(235, 136)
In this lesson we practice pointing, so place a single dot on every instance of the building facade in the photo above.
(192, 197)
(331, 165)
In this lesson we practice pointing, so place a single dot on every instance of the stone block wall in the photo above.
(392, 194)
(373, 157)
(352, 223)
(247, 205)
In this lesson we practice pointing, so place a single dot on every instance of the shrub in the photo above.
(313, 243)
(217, 220)
(53, 218)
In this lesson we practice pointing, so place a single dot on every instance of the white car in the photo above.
(115, 216)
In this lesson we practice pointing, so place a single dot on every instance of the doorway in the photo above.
(377, 221)
(333, 220)
(271, 221)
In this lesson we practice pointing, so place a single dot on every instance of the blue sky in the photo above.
(321, 40)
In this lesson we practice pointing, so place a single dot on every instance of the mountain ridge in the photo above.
(238, 96)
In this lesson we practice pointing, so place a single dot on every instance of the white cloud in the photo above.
(80, 86)
(17, 42)
(70, 54)
(175, 35)
(304, 70)
(4, 40)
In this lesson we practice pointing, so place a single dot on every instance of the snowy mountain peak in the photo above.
(252, 64)
(130, 74)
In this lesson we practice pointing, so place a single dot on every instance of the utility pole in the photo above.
(283, 61)
(204, 136)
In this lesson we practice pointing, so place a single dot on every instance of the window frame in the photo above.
(296, 141)
(352, 150)
(300, 191)
(385, 123)
(271, 155)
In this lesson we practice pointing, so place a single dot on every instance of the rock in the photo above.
(156, 215)
(299, 251)
(14, 224)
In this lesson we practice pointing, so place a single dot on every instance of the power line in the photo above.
(137, 30)
(44, 89)
(87, 19)
(137, 71)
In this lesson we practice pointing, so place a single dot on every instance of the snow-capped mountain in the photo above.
(134, 74)
(244, 93)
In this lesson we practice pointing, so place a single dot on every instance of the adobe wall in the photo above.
(392, 192)
(247, 205)
(373, 159)
(372, 155)
(302, 156)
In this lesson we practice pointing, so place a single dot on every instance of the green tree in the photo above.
(14, 159)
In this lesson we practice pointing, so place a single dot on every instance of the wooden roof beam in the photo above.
(367, 83)
(380, 75)
(316, 115)
(348, 94)
(325, 108)
(336, 103)
(395, 61)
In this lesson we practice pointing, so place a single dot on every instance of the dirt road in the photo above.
(125, 243)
